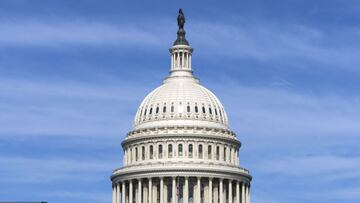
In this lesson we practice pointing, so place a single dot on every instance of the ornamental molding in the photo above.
(197, 134)
(232, 173)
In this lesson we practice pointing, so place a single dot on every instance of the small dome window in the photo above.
(150, 112)
(190, 150)
(188, 109)
(200, 151)
(210, 111)
(136, 154)
(145, 112)
(196, 109)
(180, 149)
(172, 108)
(164, 109)
(215, 111)
(217, 153)
(157, 110)
(151, 152)
(209, 152)
(160, 152)
(170, 151)
(143, 153)
(203, 109)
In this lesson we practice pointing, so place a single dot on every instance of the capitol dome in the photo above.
(181, 101)
(180, 149)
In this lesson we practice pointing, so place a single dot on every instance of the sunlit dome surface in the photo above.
(181, 101)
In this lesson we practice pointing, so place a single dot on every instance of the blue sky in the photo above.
(73, 72)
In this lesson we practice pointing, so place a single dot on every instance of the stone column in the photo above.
(174, 197)
(216, 193)
(139, 191)
(210, 190)
(198, 188)
(155, 193)
(230, 191)
(242, 192)
(248, 193)
(145, 193)
(114, 193)
(221, 191)
(131, 191)
(117, 192)
(237, 192)
(221, 194)
(190, 61)
(162, 190)
(186, 190)
(150, 190)
(123, 192)
(166, 198)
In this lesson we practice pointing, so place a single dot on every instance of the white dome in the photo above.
(181, 101)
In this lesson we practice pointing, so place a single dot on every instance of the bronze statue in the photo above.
(181, 19)
(181, 32)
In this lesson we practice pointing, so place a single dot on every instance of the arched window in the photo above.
(188, 108)
(224, 153)
(190, 150)
(136, 154)
(131, 155)
(170, 151)
(196, 109)
(145, 112)
(151, 152)
(209, 152)
(215, 111)
(217, 153)
(180, 149)
(200, 151)
(160, 152)
(210, 110)
(157, 109)
(143, 153)
(150, 112)
(172, 108)
(164, 109)
(203, 110)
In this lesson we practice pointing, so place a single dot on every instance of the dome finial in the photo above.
(181, 32)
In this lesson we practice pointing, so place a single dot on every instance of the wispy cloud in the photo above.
(74, 33)
(51, 108)
(285, 44)
(262, 41)
(277, 112)
(40, 170)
